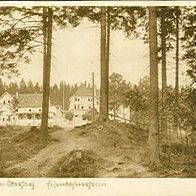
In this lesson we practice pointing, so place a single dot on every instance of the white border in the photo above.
(114, 187)
(98, 3)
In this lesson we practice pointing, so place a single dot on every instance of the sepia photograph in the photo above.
(96, 91)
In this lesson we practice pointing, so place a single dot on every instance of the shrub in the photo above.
(89, 115)
(69, 116)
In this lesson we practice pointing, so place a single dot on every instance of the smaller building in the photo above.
(122, 114)
(7, 104)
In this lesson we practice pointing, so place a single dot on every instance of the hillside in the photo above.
(109, 149)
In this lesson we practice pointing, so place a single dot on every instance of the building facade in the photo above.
(7, 104)
(23, 110)
(29, 110)
(82, 101)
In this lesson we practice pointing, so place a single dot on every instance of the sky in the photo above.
(76, 54)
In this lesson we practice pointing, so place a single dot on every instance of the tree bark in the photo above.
(177, 71)
(93, 89)
(108, 39)
(47, 29)
(164, 71)
(153, 139)
(104, 68)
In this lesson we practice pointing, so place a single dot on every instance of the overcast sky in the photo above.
(76, 54)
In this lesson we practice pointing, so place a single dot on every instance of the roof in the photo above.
(84, 91)
(29, 100)
(6, 93)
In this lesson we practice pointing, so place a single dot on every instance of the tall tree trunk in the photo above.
(108, 39)
(47, 29)
(107, 54)
(177, 71)
(153, 139)
(104, 68)
(164, 71)
(93, 89)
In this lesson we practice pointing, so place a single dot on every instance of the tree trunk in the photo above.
(47, 29)
(93, 89)
(177, 72)
(104, 68)
(164, 71)
(108, 39)
(153, 139)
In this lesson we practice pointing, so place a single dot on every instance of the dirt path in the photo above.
(119, 161)
(38, 166)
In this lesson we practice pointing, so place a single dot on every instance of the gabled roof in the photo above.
(6, 93)
(84, 91)
(29, 100)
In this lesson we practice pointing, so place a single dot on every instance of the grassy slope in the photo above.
(108, 149)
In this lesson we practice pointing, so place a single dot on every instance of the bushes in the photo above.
(89, 115)
(69, 116)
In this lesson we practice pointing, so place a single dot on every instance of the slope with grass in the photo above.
(109, 149)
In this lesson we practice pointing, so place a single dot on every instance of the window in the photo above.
(29, 110)
(78, 106)
(82, 107)
(76, 115)
(16, 110)
(4, 102)
(89, 107)
(89, 99)
(25, 116)
(75, 107)
(40, 110)
(29, 116)
(20, 116)
(37, 116)
(8, 101)
(76, 99)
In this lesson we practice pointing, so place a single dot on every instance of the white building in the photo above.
(29, 109)
(7, 104)
(82, 101)
(23, 110)
(122, 114)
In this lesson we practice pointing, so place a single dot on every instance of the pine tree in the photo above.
(47, 49)
(164, 68)
(37, 88)
(153, 139)
(104, 68)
